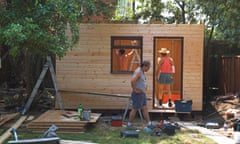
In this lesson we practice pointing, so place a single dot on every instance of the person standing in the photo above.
(138, 95)
(164, 73)
(123, 58)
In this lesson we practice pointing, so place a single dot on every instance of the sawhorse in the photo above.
(127, 108)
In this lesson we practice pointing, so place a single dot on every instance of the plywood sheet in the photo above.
(64, 123)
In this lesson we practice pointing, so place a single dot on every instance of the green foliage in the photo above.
(111, 135)
(40, 26)
(150, 10)
(183, 11)
(124, 10)
(224, 17)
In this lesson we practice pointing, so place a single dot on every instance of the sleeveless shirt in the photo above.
(141, 83)
(166, 67)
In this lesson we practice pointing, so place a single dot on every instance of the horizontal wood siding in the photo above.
(87, 67)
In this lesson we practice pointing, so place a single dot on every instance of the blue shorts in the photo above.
(139, 100)
(165, 78)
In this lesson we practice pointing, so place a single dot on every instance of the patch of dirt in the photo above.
(223, 111)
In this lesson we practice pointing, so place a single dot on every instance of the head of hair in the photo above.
(164, 54)
(121, 50)
(145, 63)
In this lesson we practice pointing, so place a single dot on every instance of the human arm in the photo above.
(172, 65)
(117, 52)
(130, 53)
(158, 71)
(134, 79)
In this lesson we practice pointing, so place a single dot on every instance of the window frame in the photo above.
(136, 47)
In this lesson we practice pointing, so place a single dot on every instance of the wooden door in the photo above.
(175, 45)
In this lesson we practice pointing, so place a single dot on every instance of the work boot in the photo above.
(169, 103)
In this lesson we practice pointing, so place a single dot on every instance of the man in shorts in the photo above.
(138, 95)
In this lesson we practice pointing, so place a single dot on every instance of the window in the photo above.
(126, 54)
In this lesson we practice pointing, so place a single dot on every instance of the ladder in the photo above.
(47, 65)
(135, 59)
(126, 110)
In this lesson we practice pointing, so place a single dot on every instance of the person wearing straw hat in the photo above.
(164, 73)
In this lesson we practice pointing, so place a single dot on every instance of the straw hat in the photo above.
(164, 51)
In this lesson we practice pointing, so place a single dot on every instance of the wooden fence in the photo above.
(230, 74)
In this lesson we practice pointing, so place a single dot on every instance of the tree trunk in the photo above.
(27, 73)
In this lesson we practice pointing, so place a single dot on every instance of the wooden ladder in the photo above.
(47, 65)
(134, 60)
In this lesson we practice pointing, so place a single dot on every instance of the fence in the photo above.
(230, 74)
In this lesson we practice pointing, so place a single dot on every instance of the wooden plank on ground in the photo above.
(75, 142)
(70, 123)
(166, 111)
(7, 117)
(51, 140)
(8, 132)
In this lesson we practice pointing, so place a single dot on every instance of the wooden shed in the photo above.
(97, 76)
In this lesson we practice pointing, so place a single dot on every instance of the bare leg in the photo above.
(168, 89)
(132, 115)
(160, 92)
(145, 113)
(156, 97)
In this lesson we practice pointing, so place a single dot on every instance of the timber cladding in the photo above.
(86, 69)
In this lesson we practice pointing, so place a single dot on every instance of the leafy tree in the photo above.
(223, 19)
(149, 10)
(124, 10)
(171, 11)
(39, 26)
(34, 29)
(183, 11)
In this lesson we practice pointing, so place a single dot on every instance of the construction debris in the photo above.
(8, 132)
(5, 118)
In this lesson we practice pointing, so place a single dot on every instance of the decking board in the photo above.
(64, 124)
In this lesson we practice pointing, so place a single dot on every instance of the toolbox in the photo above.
(129, 133)
(117, 121)
(183, 105)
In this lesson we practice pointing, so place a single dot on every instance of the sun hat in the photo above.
(164, 51)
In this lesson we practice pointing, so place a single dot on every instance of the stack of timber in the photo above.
(7, 117)
(66, 121)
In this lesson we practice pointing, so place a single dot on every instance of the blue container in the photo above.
(183, 105)
(147, 130)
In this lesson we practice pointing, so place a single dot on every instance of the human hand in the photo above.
(137, 91)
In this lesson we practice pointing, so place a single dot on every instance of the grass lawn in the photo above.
(104, 133)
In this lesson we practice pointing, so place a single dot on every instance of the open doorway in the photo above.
(175, 45)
